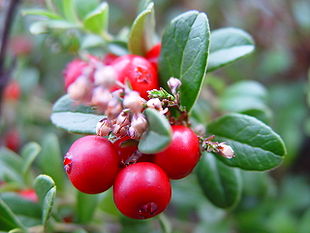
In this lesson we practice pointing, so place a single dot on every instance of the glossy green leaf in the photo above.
(29, 153)
(184, 54)
(50, 160)
(256, 145)
(142, 32)
(46, 191)
(8, 220)
(73, 117)
(220, 183)
(86, 206)
(41, 12)
(10, 166)
(246, 97)
(158, 135)
(228, 45)
(97, 20)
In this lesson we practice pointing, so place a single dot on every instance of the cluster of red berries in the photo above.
(141, 182)
(142, 189)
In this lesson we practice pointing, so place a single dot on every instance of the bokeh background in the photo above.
(277, 201)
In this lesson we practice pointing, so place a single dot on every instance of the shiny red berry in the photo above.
(12, 91)
(138, 71)
(153, 55)
(12, 140)
(91, 164)
(142, 190)
(182, 155)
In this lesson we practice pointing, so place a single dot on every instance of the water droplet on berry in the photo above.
(68, 163)
(148, 210)
(142, 75)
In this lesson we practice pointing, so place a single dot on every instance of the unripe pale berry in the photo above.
(80, 90)
(92, 164)
(101, 98)
(142, 190)
(182, 154)
(105, 76)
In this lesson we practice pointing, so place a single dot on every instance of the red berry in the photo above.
(142, 190)
(12, 91)
(182, 155)
(153, 54)
(73, 70)
(20, 45)
(29, 194)
(12, 140)
(109, 58)
(138, 71)
(91, 164)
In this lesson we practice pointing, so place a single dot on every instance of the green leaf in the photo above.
(8, 220)
(158, 135)
(228, 45)
(142, 32)
(29, 153)
(74, 117)
(247, 97)
(256, 145)
(41, 27)
(68, 8)
(85, 7)
(97, 20)
(50, 160)
(41, 12)
(184, 54)
(86, 206)
(10, 166)
(220, 184)
(304, 225)
(46, 191)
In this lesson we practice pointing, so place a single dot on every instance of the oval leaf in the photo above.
(142, 32)
(97, 20)
(184, 54)
(10, 166)
(228, 45)
(256, 145)
(159, 133)
(46, 191)
(41, 12)
(220, 184)
(29, 153)
(74, 117)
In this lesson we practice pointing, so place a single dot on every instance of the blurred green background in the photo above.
(275, 202)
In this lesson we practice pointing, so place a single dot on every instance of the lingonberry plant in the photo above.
(137, 103)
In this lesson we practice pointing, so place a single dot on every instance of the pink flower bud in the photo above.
(174, 84)
(104, 127)
(155, 103)
(134, 101)
(101, 98)
(105, 76)
(81, 89)
(225, 150)
(138, 126)
(114, 108)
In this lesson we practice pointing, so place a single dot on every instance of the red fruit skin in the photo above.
(109, 58)
(12, 91)
(12, 140)
(73, 70)
(125, 151)
(138, 71)
(142, 190)
(182, 155)
(92, 164)
(153, 55)
(29, 194)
